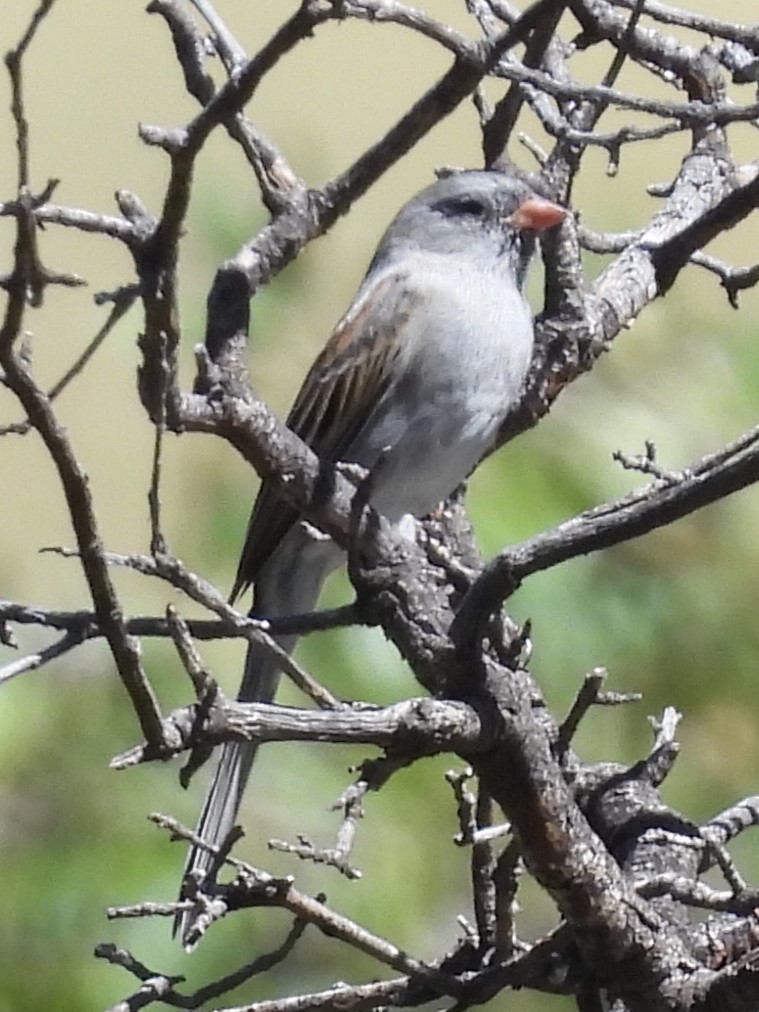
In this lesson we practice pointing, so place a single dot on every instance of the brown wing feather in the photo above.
(341, 390)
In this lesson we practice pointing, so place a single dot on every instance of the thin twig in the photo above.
(33, 661)
(122, 303)
(584, 700)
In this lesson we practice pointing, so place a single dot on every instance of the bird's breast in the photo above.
(463, 365)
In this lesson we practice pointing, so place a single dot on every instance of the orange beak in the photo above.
(536, 213)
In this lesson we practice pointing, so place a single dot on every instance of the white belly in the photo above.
(436, 423)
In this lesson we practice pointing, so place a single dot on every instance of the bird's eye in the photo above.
(464, 207)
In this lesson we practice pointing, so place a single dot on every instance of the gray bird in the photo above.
(423, 368)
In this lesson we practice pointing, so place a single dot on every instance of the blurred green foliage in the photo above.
(673, 615)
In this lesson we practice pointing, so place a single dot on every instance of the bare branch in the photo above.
(415, 727)
(27, 276)
(709, 479)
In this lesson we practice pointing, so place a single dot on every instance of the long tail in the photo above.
(225, 793)
(290, 585)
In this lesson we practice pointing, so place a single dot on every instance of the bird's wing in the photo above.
(341, 391)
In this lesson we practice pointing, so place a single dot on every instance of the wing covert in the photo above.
(339, 395)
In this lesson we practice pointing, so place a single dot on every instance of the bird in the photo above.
(419, 373)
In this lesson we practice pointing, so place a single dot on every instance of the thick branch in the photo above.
(415, 726)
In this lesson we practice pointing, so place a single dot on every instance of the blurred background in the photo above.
(672, 615)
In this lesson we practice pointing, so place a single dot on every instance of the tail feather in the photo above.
(217, 818)
(289, 585)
